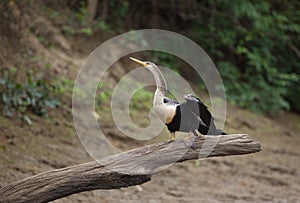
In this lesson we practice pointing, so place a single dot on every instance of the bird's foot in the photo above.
(172, 139)
(169, 141)
(189, 141)
(172, 136)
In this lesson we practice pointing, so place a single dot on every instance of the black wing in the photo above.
(200, 109)
(167, 100)
(197, 107)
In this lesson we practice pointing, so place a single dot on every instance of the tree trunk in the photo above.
(126, 169)
(92, 10)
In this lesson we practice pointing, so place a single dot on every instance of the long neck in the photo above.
(161, 85)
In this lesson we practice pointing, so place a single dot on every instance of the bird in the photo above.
(189, 116)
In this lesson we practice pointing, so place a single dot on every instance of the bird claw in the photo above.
(171, 140)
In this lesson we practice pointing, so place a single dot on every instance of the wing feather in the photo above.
(170, 101)
(199, 108)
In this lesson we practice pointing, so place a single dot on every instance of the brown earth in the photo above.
(271, 175)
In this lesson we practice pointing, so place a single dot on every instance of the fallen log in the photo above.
(125, 169)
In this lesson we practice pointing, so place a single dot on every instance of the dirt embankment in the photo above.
(269, 176)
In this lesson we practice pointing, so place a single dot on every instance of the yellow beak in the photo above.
(138, 61)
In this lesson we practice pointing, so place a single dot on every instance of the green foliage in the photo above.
(166, 60)
(140, 106)
(73, 18)
(29, 95)
(118, 11)
(259, 94)
(103, 100)
(250, 42)
(103, 94)
(101, 25)
(82, 13)
(64, 86)
(255, 44)
(79, 24)
(141, 101)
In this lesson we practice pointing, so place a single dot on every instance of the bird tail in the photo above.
(223, 133)
(217, 132)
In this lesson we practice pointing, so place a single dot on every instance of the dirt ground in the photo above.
(271, 175)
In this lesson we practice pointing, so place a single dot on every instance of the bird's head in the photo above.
(146, 64)
(158, 76)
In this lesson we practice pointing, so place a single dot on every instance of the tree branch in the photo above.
(126, 169)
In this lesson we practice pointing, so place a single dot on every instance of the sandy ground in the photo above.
(271, 175)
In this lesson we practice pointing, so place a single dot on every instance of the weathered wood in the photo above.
(122, 170)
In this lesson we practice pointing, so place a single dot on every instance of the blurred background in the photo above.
(254, 45)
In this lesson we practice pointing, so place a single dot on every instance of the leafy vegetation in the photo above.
(29, 95)
(141, 101)
(255, 44)
(140, 106)
(103, 95)
(250, 42)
